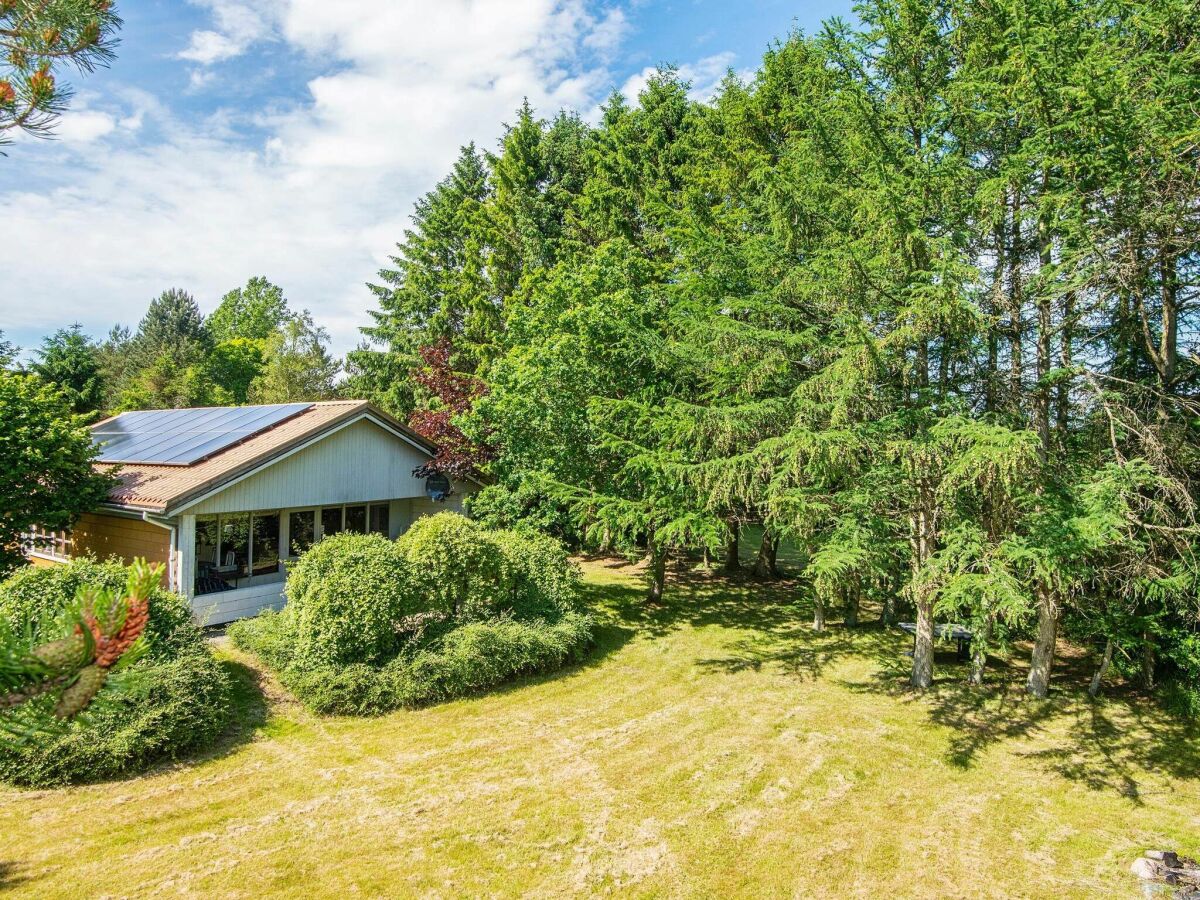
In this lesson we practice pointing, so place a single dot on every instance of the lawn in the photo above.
(711, 747)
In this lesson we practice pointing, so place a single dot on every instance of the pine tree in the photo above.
(70, 361)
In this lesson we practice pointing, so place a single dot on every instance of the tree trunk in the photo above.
(922, 535)
(850, 607)
(818, 612)
(1041, 401)
(979, 647)
(1065, 360)
(922, 670)
(1146, 675)
(1016, 303)
(1105, 662)
(1042, 659)
(658, 575)
(733, 549)
(764, 563)
(888, 615)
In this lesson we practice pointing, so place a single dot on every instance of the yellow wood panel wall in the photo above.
(104, 536)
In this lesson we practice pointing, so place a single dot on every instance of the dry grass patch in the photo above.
(712, 747)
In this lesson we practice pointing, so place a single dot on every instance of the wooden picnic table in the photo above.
(961, 636)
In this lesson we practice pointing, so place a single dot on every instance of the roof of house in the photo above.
(157, 488)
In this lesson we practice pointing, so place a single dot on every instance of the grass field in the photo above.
(713, 747)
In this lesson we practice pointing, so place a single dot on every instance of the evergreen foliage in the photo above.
(920, 296)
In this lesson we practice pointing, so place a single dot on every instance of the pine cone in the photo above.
(62, 655)
(80, 694)
(109, 649)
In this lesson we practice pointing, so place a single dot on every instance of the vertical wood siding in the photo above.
(361, 462)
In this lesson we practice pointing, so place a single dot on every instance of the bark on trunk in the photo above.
(922, 534)
(1065, 359)
(1146, 675)
(768, 549)
(1042, 660)
(733, 549)
(979, 652)
(818, 612)
(850, 608)
(922, 671)
(1105, 662)
(658, 575)
(1016, 302)
(888, 615)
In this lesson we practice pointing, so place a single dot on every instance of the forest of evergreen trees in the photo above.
(920, 297)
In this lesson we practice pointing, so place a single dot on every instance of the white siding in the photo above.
(226, 606)
(361, 462)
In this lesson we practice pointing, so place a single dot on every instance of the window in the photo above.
(331, 520)
(264, 532)
(233, 546)
(54, 544)
(379, 519)
(302, 531)
(356, 519)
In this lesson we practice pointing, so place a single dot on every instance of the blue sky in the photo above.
(289, 138)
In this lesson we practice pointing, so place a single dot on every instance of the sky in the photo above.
(290, 138)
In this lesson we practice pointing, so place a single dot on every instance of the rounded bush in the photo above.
(543, 582)
(174, 701)
(345, 599)
(167, 708)
(456, 565)
(38, 593)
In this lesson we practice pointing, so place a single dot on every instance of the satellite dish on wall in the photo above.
(437, 487)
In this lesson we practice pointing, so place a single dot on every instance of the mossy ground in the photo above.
(714, 747)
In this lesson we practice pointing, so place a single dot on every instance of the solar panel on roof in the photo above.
(180, 437)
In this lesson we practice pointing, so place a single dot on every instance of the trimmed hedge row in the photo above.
(450, 609)
(174, 701)
(470, 659)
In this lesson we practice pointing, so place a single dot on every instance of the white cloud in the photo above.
(238, 26)
(316, 200)
(705, 76)
(84, 126)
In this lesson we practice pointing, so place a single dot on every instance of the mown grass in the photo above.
(711, 747)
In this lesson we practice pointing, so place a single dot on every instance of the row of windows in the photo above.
(232, 547)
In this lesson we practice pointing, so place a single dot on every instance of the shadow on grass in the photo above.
(10, 876)
(1104, 744)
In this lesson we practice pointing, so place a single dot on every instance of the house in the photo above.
(225, 496)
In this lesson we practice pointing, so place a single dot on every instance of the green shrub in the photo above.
(174, 701)
(455, 565)
(449, 610)
(166, 708)
(542, 581)
(39, 592)
(345, 597)
(469, 659)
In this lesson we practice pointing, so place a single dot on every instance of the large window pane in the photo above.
(356, 519)
(207, 579)
(235, 545)
(331, 521)
(379, 519)
(301, 530)
(265, 531)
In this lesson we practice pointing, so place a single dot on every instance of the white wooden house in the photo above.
(225, 497)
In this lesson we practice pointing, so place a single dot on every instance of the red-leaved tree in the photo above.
(458, 455)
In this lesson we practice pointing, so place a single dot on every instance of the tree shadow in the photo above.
(11, 876)
(1105, 744)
